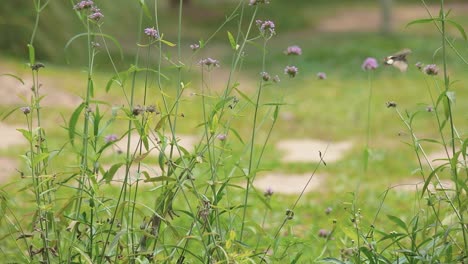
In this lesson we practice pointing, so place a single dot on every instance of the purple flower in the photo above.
(324, 233)
(268, 192)
(322, 75)
(83, 5)
(419, 65)
(293, 50)
(431, 69)
(291, 71)
(256, 2)
(328, 210)
(267, 28)
(369, 64)
(96, 16)
(209, 62)
(222, 137)
(265, 76)
(276, 79)
(26, 110)
(194, 47)
(152, 33)
(110, 138)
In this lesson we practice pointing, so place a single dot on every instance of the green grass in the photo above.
(332, 109)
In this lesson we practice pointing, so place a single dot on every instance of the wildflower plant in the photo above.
(201, 206)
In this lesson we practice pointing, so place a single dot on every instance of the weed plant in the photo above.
(160, 202)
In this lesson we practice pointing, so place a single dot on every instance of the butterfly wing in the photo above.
(401, 65)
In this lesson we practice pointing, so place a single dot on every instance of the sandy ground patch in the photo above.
(13, 92)
(307, 150)
(287, 183)
(10, 136)
(412, 185)
(368, 20)
(134, 175)
(440, 157)
(8, 168)
(186, 141)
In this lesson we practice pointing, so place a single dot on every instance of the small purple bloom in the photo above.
(419, 65)
(26, 110)
(222, 137)
(328, 210)
(96, 16)
(293, 50)
(194, 47)
(152, 33)
(291, 71)
(370, 64)
(110, 138)
(268, 192)
(431, 69)
(209, 62)
(83, 5)
(267, 28)
(256, 2)
(324, 233)
(276, 79)
(265, 76)
(322, 75)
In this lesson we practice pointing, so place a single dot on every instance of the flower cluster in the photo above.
(265, 76)
(267, 28)
(256, 2)
(268, 192)
(110, 138)
(194, 47)
(95, 15)
(152, 33)
(293, 50)
(83, 5)
(321, 76)
(291, 71)
(431, 69)
(370, 64)
(26, 110)
(209, 62)
(137, 110)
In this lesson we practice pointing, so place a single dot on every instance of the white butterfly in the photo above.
(398, 60)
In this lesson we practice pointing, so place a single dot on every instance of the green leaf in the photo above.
(232, 41)
(73, 121)
(170, 44)
(145, 9)
(26, 133)
(420, 21)
(109, 174)
(275, 113)
(38, 158)
(244, 96)
(14, 76)
(398, 221)
(159, 179)
(451, 96)
(214, 124)
(459, 27)
(32, 55)
(332, 260)
(5, 116)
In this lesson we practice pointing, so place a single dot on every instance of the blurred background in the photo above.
(304, 22)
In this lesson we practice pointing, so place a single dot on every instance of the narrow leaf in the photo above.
(32, 55)
(73, 121)
(459, 27)
(232, 41)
